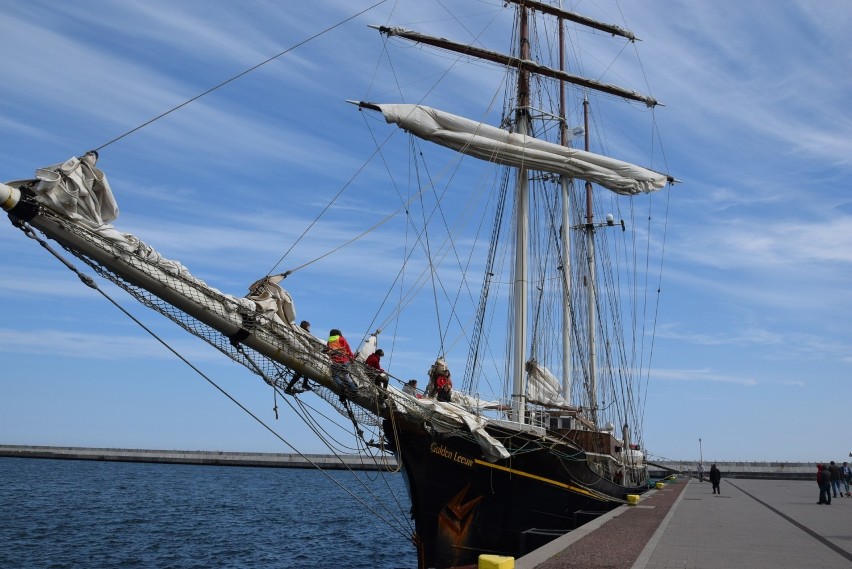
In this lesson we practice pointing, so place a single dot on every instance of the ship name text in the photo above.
(452, 455)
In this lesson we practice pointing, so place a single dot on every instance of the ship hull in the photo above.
(464, 506)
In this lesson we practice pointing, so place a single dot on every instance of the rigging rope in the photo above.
(246, 72)
(349, 182)
(90, 282)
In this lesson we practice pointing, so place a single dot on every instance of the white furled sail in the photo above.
(80, 189)
(542, 386)
(367, 347)
(512, 149)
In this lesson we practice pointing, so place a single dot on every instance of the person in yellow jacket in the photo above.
(341, 356)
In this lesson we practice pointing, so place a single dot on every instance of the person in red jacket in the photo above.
(341, 356)
(374, 368)
(440, 384)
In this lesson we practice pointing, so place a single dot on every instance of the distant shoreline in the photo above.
(200, 457)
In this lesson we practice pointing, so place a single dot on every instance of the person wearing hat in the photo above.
(374, 368)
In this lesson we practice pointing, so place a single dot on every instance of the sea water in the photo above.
(72, 513)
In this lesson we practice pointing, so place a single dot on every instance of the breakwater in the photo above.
(658, 469)
(764, 470)
(217, 458)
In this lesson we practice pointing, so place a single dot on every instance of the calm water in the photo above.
(69, 513)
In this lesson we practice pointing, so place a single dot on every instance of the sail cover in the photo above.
(512, 149)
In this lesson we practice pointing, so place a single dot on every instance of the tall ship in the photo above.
(526, 418)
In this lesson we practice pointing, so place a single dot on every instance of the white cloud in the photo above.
(701, 375)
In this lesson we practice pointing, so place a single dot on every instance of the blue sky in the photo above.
(753, 345)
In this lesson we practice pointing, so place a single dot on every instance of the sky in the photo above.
(752, 350)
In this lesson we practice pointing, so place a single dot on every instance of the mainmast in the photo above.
(565, 235)
(489, 143)
(592, 283)
(522, 126)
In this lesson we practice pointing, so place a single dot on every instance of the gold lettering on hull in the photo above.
(444, 452)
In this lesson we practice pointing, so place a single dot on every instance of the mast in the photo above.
(565, 236)
(592, 283)
(490, 143)
(522, 126)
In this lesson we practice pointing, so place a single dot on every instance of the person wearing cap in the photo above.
(374, 368)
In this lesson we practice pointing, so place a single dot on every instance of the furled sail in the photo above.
(542, 386)
(512, 149)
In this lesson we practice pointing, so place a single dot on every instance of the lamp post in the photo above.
(700, 461)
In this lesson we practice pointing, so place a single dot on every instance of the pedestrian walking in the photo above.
(715, 478)
(824, 482)
(846, 476)
(834, 475)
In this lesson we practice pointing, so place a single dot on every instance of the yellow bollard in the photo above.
(487, 561)
(633, 499)
(660, 485)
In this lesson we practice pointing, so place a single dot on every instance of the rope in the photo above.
(235, 77)
(259, 371)
(90, 282)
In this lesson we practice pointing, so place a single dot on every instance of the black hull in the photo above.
(464, 506)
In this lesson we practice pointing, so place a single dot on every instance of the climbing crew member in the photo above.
(341, 356)
(411, 388)
(306, 326)
(440, 385)
(374, 369)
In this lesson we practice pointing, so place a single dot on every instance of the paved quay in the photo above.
(755, 524)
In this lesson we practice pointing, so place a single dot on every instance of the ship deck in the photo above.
(758, 524)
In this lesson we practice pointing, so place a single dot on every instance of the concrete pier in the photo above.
(759, 524)
(218, 458)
